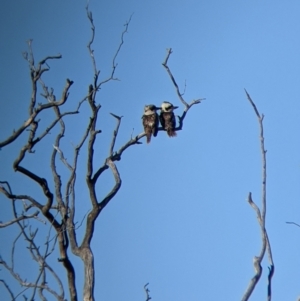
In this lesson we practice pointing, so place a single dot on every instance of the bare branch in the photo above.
(62, 157)
(70, 190)
(117, 186)
(181, 118)
(147, 291)
(8, 289)
(114, 64)
(254, 107)
(21, 197)
(51, 126)
(116, 156)
(261, 216)
(179, 94)
(35, 113)
(36, 255)
(49, 57)
(38, 258)
(91, 52)
(270, 276)
(42, 183)
(27, 284)
(257, 259)
(63, 240)
(18, 219)
(115, 133)
(292, 223)
(165, 64)
(90, 17)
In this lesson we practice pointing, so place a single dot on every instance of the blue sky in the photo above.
(180, 220)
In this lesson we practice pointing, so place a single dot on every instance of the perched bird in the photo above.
(150, 121)
(167, 118)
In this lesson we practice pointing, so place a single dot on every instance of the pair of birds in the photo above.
(166, 118)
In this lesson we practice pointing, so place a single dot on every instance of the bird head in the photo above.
(168, 107)
(150, 109)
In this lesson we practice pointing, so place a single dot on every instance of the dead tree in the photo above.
(261, 217)
(58, 205)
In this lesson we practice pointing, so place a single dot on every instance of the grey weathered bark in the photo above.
(261, 217)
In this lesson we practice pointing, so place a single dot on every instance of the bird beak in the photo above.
(175, 107)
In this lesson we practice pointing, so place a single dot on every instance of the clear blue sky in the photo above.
(180, 220)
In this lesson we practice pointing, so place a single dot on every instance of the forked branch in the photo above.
(35, 113)
(179, 94)
(116, 156)
(91, 51)
(147, 291)
(261, 217)
(111, 150)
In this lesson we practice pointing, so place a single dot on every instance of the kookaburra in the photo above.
(167, 118)
(150, 121)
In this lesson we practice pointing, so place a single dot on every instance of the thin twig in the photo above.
(111, 150)
(8, 289)
(114, 64)
(91, 41)
(18, 219)
(35, 113)
(292, 223)
(147, 291)
(179, 94)
(165, 64)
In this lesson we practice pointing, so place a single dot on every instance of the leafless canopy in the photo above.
(57, 207)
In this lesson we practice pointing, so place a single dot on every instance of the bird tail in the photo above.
(171, 133)
(148, 137)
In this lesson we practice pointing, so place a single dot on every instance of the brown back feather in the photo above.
(150, 129)
(168, 122)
